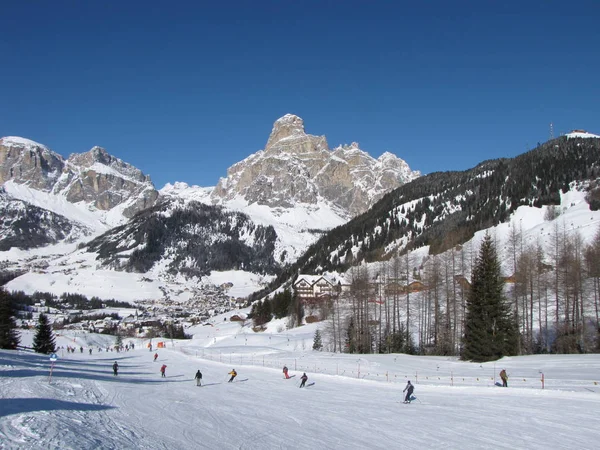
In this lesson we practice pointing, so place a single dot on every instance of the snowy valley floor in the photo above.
(86, 407)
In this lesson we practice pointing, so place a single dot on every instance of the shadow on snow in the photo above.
(10, 406)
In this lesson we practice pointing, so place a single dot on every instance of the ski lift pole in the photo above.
(51, 369)
(542, 380)
(53, 358)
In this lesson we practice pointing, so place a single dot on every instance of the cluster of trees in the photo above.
(282, 304)
(43, 341)
(460, 303)
(72, 301)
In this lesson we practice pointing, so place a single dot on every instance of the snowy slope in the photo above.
(355, 403)
(297, 227)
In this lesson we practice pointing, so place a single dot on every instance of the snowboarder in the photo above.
(233, 374)
(285, 372)
(162, 370)
(409, 390)
(303, 378)
(198, 378)
(115, 368)
(155, 356)
(504, 378)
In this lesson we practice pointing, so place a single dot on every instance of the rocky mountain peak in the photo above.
(299, 168)
(285, 127)
(28, 162)
(94, 177)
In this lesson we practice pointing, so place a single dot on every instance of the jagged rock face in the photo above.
(99, 178)
(27, 162)
(296, 167)
(94, 177)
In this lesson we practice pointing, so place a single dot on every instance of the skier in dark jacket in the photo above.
(409, 390)
(198, 378)
(115, 368)
(303, 378)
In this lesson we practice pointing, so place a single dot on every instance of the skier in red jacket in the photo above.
(162, 370)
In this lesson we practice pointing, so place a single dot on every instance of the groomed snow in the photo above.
(355, 403)
(581, 134)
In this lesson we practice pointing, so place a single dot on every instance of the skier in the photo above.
(162, 370)
(303, 378)
(409, 390)
(198, 378)
(504, 378)
(115, 368)
(90, 350)
(233, 374)
(285, 372)
(155, 356)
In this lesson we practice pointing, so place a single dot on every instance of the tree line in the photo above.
(460, 304)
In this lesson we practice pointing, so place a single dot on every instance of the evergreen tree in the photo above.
(317, 343)
(119, 341)
(281, 303)
(43, 341)
(490, 330)
(261, 312)
(9, 337)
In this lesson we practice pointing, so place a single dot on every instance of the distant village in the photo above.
(157, 317)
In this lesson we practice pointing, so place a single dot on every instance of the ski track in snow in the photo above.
(87, 407)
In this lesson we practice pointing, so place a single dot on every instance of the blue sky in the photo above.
(183, 90)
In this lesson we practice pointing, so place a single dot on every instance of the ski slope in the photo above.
(355, 403)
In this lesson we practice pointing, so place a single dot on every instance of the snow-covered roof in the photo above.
(312, 279)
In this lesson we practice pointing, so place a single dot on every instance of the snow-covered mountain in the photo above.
(296, 168)
(24, 225)
(262, 216)
(95, 178)
(299, 186)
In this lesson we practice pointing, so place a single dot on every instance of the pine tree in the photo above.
(43, 341)
(490, 330)
(317, 343)
(9, 337)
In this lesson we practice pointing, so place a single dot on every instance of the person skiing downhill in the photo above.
(155, 356)
(162, 370)
(285, 372)
(115, 368)
(303, 378)
(504, 378)
(409, 390)
(233, 374)
(198, 378)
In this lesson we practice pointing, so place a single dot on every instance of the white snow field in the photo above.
(356, 402)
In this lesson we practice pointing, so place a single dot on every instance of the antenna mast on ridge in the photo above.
(551, 131)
